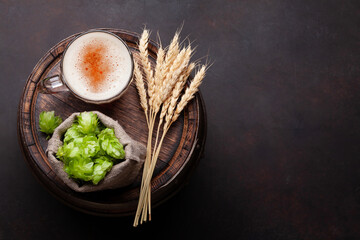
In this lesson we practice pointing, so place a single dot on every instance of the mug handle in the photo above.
(52, 84)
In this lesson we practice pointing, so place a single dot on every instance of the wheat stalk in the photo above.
(185, 99)
(144, 59)
(169, 105)
(171, 100)
(139, 82)
(165, 86)
(143, 49)
(188, 95)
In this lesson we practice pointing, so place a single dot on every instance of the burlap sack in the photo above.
(121, 174)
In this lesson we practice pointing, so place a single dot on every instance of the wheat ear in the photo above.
(158, 79)
(180, 63)
(173, 51)
(179, 86)
(158, 68)
(190, 92)
(139, 82)
(144, 58)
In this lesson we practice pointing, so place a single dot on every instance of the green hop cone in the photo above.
(88, 123)
(48, 122)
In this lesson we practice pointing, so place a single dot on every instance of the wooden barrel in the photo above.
(181, 151)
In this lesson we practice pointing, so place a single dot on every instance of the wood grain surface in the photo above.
(180, 153)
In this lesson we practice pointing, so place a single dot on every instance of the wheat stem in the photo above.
(146, 166)
(164, 87)
(153, 163)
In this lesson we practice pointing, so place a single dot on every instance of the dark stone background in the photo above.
(282, 158)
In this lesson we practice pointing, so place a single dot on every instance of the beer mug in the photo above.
(96, 67)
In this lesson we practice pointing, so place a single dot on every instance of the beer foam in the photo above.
(97, 66)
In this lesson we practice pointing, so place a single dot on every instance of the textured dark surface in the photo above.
(282, 158)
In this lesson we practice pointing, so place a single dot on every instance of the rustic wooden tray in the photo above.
(180, 154)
